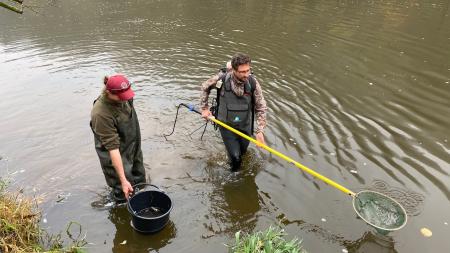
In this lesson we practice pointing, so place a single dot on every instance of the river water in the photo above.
(357, 90)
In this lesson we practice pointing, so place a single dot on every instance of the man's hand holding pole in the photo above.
(206, 113)
(260, 139)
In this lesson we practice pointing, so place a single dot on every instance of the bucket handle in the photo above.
(134, 192)
(146, 184)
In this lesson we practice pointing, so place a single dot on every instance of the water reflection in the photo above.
(128, 240)
(412, 201)
(371, 243)
(235, 201)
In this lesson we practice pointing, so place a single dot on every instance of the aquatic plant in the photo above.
(269, 241)
(20, 230)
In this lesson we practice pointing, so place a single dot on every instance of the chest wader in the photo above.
(236, 112)
(130, 151)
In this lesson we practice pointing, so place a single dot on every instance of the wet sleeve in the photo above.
(260, 109)
(206, 89)
(103, 126)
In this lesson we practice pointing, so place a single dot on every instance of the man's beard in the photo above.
(243, 79)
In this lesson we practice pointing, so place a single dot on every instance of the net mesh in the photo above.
(378, 210)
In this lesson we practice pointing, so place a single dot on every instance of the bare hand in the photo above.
(260, 139)
(206, 113)
(127, 188)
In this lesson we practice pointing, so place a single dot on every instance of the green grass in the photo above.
(268, 241)
(20, 231)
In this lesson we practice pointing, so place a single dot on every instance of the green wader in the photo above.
(130, 151)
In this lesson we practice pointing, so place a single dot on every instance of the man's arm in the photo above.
(260, 112)
(104, 128)
(206, 89)
(116, 160)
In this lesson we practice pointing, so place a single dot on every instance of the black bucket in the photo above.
(149, 209)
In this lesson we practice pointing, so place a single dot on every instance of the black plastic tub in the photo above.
(149, 209)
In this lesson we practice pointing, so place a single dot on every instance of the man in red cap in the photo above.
(117, 137)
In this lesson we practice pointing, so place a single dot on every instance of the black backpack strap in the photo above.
(224, 75)
(131, 103)
(252, 82)
(223, 70)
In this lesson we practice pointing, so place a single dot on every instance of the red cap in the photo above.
(120, 86)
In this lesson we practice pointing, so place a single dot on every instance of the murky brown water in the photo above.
(357, 90)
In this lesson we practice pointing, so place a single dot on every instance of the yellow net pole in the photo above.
(284, 157)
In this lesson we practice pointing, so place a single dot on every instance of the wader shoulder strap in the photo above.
(226, 81)
(90, 121)
(225, 78)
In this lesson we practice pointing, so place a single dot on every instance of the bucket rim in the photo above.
(384, 196)
(132, 212)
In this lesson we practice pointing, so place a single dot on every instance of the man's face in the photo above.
(243, 72)
(113, 96)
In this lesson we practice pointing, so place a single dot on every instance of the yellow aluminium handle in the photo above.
(284, 157)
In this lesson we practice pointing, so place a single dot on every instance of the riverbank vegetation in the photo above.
(20, 230)
(269, 241)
